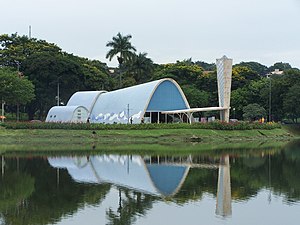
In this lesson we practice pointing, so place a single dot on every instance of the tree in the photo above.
(120, 45)
(95, 74)
(253, 112)
(15, 187)
(46, 70)
(260, 69)
(197, 98)
(281, 66)
(206, 66)
(141, 68)
(291, 103)
(14, 49)
(15, 89)
(242, 76)
(179, 71)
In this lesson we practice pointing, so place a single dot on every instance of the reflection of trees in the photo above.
(50, 202)
(14, 189)
(196, 184)
(248, 176)
(132, 205)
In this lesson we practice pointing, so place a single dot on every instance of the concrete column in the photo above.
(224, 75)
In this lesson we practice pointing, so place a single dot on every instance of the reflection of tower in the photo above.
(224, 188)
(224, 74)
(2, 165)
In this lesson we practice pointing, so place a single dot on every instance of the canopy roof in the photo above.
(192, 110)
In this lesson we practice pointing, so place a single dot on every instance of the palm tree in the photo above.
(141, 67)
(120, 45)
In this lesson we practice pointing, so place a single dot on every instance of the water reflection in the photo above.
(126, 188)
(134, 172)
(156, 175)
(224, 188)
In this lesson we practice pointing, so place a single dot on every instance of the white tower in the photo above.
(224, 74)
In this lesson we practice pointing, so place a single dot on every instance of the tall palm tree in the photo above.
(141, 67)
(120, 45)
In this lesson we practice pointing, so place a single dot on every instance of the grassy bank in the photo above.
(171, 140)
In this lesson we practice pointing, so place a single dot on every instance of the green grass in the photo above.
(139, 141)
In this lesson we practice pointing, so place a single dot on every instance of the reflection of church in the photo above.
(160, 176)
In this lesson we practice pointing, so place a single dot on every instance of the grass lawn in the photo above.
(158, 140)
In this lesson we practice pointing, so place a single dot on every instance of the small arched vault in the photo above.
(67, 114)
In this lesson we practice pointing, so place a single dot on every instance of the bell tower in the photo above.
(224, 75)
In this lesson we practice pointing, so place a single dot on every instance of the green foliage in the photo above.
(241, 76)
(46, 199)
(46, 70)
(196, 97)
(291, 104)
(15, 89)
(15, 49)
(95, 73)
(280, 85)
(140, 68)
(257, 91)
(147, 126)
(120, 45)
(253, 112)
(180, 71)
(72, 73)
(281, 66)
(206, 66)
(254, 66)
(14, 188)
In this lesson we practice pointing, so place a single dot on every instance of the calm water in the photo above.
(223, 187)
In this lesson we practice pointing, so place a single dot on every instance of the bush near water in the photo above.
(217, 125)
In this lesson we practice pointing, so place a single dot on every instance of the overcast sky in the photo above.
(266, 31)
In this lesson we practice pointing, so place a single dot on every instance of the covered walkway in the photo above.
(189, 112)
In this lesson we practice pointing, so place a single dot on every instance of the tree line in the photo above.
(32, 71)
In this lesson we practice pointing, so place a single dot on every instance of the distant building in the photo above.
(277, 72)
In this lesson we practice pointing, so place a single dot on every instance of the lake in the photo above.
(234, 186)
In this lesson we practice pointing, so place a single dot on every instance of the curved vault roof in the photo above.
(159, 95)
(84, 98)
(62, 113)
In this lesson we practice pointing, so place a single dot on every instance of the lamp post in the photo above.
(58, 92)
(233, 113)
(270, 97)
(2, 110)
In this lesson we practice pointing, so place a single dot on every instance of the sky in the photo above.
(265, 31)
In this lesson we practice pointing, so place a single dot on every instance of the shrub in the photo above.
(217, 125)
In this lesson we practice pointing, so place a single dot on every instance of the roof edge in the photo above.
(178, 88)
